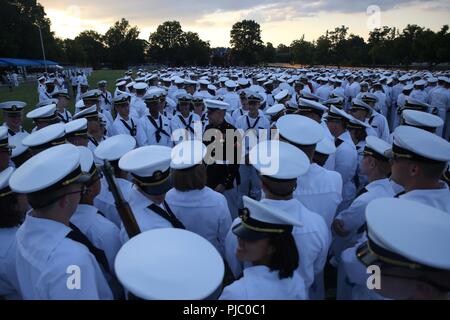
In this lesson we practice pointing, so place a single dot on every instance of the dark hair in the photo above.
(320, 158)
(9, 216)
(285, 258)
(281, 188)
(189, 179)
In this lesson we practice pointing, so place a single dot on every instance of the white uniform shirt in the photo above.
(99, 230)
(346, 164)
(150, 128)
(145, 217)
(204, 212)
(259, 283)
(44, 260)
(191, 127)
(9, 286)
(379, 123)
(138, 108)
(232, 98)
(320, 190)
(437, 198)
(105, 101)
(104, 201)
(131, 127)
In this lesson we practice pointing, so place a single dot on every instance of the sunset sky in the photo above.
(281, 21)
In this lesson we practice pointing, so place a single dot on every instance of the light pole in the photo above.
(42, 46)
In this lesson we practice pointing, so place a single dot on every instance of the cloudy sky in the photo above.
(281, 21)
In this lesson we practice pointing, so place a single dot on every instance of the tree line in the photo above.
(121, 46)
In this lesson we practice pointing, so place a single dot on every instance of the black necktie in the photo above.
(92, 139)
(78, 236)
(131, 129)
(187, 126)
(254, 125)
(159, 129)
(167, 215)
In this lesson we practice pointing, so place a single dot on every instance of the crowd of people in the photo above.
(245, 183)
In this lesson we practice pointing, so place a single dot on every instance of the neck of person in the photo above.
(339, 132)
(55, 214)
(422, 185)
(374, 175)
(125, 117)
(253, 113)
(185, 114)
(119, 174)
(269, 195)
(87, 200)
(154, 114)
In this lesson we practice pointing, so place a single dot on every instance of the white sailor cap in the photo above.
(55, 167)
(275, 109)
(243, 82)
(306, 105)
(377, 148)
(15, 141)
(189, 82)
(140, 86)
(269, 82)
(432, 80)
(12, 106)
(4, 181)
(122, 98)
(47, 112)
(403, 78)
(170, 264)
(299, 130)
(420, 145)
(408, 87)
(338, 114)
(359, 104)
(87, 163)
(204, 82)
(41, 78)
(326, 146)
(153, 95)
(46, 137)
(420, 119)
(91, 95)
(61, 93)
(354, 123)
(150, 168)
(310, 96)
(337, 102)
(230, 84)
(279, 160)
(187, 154)
(121, 83)
(179, 80)
(184, 97)
(253, 96)
(369, 97)
(412, 103)
(50, 81)
(130, 85)
(420, 83)
(423, 247)
(46, 102)
(216, 104)
(102, 83)
(281, 95)
(223, 79)
(212, 87)
(87, 113)
(115, 147)
(260, 220)
(77, 127)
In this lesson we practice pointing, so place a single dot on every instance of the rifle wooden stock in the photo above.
(122, 206)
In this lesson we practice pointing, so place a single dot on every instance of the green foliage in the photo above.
(170, 45)
(246, 44)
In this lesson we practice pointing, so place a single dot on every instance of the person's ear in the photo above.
(414, 170)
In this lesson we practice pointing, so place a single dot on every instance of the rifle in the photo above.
(122, 206)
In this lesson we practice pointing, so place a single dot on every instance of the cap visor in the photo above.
(242, 232)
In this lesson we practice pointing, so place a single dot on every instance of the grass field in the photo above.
(28, 92)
